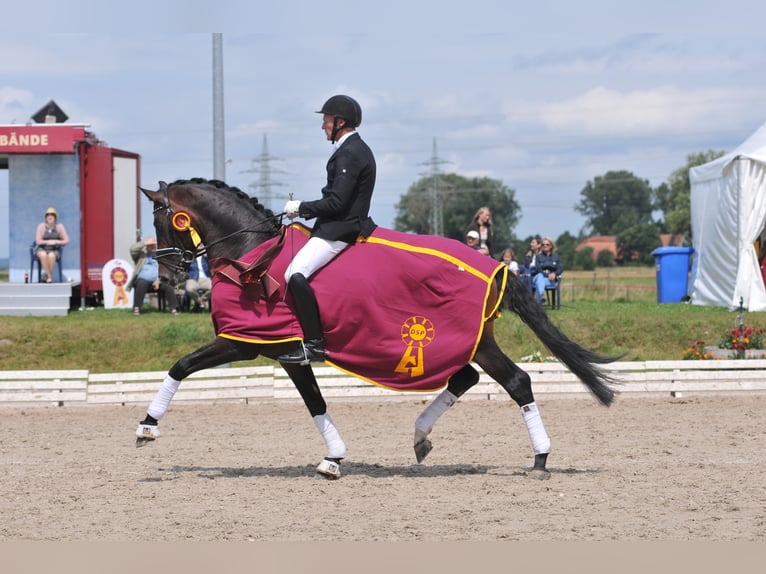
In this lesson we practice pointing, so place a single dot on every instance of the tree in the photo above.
(458, 199)
(636, 243)
(565, 247)
(605, 258)
(673, 198)
(615, 202)
(583, 259)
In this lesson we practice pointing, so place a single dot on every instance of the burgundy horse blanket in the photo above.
(398, 310)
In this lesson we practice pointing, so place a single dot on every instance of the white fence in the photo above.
(268, 383)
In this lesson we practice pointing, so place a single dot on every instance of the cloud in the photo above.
(14, 105)
(601, 111)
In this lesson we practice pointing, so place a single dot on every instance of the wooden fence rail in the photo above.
(268, 383)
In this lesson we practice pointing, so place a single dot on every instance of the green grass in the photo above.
(104, 341)
(643, 330)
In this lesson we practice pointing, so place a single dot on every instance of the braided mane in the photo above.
(261, 209)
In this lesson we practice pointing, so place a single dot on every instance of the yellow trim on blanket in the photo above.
(257, 341)
(377, 384)
(428, 251)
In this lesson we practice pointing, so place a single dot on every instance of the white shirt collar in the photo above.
(340, 141)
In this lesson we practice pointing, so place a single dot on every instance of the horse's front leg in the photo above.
(304, 380)
(216, 352)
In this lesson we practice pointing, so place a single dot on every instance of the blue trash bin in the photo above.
(672, 264)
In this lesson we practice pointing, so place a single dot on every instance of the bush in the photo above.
(605, 258)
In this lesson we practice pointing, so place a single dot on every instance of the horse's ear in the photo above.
(163, 185)
(152, 195)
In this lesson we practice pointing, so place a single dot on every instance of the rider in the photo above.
(342, 215)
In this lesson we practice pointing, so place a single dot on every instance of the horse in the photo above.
(242, 240)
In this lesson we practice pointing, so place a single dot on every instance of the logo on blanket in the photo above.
(417, 333)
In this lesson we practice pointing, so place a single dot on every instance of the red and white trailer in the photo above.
(93, 187)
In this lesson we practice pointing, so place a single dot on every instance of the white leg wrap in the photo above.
(436, 408)
(159, 405)
(336, 448)
(541, 442)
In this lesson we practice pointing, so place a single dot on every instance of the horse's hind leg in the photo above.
(458, 384)
(304, 380)
(519, 386)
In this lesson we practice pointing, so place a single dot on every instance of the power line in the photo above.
(435, 175)
(262, 165)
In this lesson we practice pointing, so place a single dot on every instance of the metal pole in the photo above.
(219, 152)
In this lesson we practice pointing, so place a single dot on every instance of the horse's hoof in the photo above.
(146, 434)
(422, 448)
(539, 474)
(329, 469)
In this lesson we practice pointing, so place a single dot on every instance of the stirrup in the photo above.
(310, 351)
(329, 468)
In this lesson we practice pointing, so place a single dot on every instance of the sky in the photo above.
(542, 96)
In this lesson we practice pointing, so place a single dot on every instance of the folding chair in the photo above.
(553, 294)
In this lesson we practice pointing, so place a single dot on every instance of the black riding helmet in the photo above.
(344, 107)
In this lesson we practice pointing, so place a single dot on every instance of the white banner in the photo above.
(114, 278)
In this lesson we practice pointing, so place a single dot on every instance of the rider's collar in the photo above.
(345, 136)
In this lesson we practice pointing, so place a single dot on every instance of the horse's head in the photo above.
(200, 216)
(175, 247)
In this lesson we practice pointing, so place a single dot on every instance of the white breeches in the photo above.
(313, 256)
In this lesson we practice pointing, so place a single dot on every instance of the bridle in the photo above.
(179, 260)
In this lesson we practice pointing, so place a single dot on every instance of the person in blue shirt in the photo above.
(546, 269)
(146, 277)
(199, 284)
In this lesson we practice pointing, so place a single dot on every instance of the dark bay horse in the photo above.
(195, 216)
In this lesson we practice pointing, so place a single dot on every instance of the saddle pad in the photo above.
(398, 310)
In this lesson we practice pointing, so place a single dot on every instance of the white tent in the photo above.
(728, 214)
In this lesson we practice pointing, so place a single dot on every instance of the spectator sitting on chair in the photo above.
(49, 238)
(529, 261)
(547, 268)
(199, 284)
(472, 240)
(146, 278)
(509, 258)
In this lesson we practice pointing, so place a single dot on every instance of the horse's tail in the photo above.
(580, 361)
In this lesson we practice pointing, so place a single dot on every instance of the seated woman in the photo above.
(547, 268)
(50, 237)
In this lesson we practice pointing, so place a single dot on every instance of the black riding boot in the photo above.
(312, 348)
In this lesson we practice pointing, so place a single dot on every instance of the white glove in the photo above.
(291, 208)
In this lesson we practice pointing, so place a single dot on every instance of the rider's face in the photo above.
(327, 121)
(327, 125)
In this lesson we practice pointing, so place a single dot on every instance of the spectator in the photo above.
(472, 240)
(50, 237)
(146, 277)
(482, 224)
(529, 261)
(509, 258)
(199, 284)
(547, 269)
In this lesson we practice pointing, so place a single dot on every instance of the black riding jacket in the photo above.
(343, 212)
